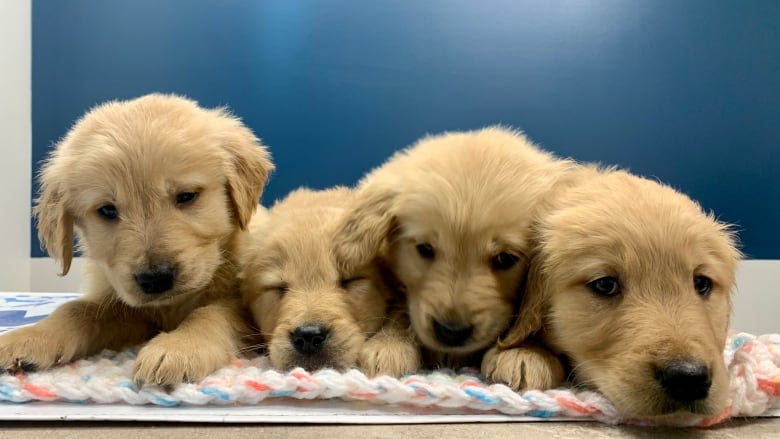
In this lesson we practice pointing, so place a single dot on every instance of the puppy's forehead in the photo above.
(147, 160)
(154, 128)
(297, 249)
(470, 192)
(626, 220)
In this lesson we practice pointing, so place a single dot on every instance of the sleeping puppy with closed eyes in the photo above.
(307, 313)
(451, 217)
(631, 282)
(158, 192)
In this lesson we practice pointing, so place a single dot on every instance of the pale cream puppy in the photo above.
(631, 281)
(451, 216)
(308, 314)
(158, 192)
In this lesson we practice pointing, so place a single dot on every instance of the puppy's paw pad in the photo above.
(523, 368)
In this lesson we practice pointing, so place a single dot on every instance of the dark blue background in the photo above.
(685, 91)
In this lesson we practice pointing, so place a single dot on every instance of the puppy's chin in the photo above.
(289, 359)
(139, 299)
(661, 409)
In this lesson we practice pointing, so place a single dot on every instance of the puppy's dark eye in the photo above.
(186, 198)
(108, 212)
(605, 286)
(280, 289)
(703, 285)
(346, 283)
(426, 251)
(503, 261)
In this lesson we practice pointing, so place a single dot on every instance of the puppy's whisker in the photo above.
(254, 347)
(578, 384)
(253, 334)
(263, 334)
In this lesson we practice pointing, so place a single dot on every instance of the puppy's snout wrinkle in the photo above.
(310, 338)
(685, 380)
(452, 333)
(156, 279)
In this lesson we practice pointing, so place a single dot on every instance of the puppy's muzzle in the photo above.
(156, 279)
(310, 338)
(451, 333)
(684, 380)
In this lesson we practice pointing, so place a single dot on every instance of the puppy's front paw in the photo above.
(34, 348)
(169, 359)
(387, 355)
(521, 368)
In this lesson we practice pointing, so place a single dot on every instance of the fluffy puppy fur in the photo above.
(631, 281)
(307, 313)
(451, 217)
(158, 191)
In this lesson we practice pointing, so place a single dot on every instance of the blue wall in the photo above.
(686, 91)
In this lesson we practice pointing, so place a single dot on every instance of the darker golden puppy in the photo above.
(451, 216)
(308, 314)
(158, 192)
(631, 281)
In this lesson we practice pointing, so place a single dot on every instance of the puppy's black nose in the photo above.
(156, 279)
(309, 338)
(452, 333)
(685, 380)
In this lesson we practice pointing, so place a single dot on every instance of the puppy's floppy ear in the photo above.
(533, 306)
(361, 235)
(250, 166)
(55, 223)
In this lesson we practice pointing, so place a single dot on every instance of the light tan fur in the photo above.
(654, 241)
(471, 196)
(290, 280)
(139, 157)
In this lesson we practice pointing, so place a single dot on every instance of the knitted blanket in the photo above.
(753, 363)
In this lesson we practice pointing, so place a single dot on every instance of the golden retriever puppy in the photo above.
(308, 314)
(631, 282)
(451, 217)
(158, 192)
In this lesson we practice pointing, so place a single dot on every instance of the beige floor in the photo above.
(753, 428)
